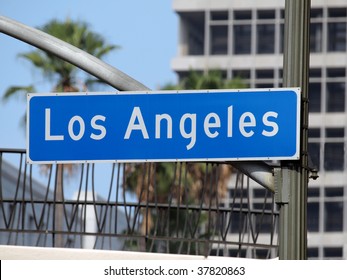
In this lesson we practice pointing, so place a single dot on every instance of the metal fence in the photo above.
(182, 208)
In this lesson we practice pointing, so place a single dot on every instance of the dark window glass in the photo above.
(260, 85)
(314, 133)
(264, 74)
(281, 37)
(266, 14)
(335, 132)
(238, 220)
(337, 13)
(337, 37)
(333, 156)
(314, 96)
(312, 253)
(315, 73)
(280, 73)
(314, 152)
(334, 192)
(282, 14)
(219, 39)
(313, 216)
(316, 13)
(195, 31)
(334, 150)
(219, 15)
(313, 192)
(261, 193)
(316, 37)
(336, 72)
(262, 253)
(216, 252)
(333, 216)
(243, 74)
(335, 97)
(243, 15)
(237, 253)
(242, 39)
(238, 193)
(262, 206)
(333, 252)
(264, 223)
(265, 38)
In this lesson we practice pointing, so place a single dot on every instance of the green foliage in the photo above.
(211, 80)
(13, 90)
(62, 74)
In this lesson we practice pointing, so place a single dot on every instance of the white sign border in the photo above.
(296, 155)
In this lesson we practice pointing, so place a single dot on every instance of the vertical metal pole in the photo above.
(291, 188)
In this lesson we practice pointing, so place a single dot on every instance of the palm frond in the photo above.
(16, 91)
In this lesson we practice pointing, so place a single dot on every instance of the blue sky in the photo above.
(146, 31)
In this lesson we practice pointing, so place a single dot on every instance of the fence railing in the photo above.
(181, 208)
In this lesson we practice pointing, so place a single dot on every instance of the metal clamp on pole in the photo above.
(282, 179)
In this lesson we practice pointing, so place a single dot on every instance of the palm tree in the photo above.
(64, 77)
(61, 73)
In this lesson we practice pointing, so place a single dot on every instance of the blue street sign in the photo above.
(256, 124)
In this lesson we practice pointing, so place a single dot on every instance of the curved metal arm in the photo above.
(69, 53)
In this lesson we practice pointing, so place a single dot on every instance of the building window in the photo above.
(265, 32)
(219, 32)
(217, 252)
(193, 32)
(333, 216)
(333, 252)
(242, 39)
(316, 37)
(315, 90)
(242, 32)
(243, 74)
(313, 209)
(314, 96)
(238, 217)
(334, 149)
(243, 15)
(219, 15)
(265, 38)
(313, 216)
(335, 96)
(316, 30)
(264, 220)
(266, 14)
(262, 193)
(337, 37)
(333, 209)
(264, 78)
(314, 153)
(237, 253)
(261, 253)
(281, 37)
(312, 253)
(219, 40)
(335, 90)
(337, 30)
(336, 72)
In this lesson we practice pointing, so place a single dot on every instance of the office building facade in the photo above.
(244, 39)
